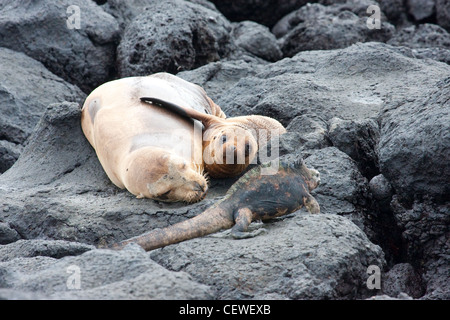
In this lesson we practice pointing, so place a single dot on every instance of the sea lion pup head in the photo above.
(170, 177)
(228, 148)
(244, 135)
(229, 144)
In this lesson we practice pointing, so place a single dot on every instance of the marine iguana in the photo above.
(255, 196)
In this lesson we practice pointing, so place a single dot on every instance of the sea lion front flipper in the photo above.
(311, 204)
(167, 105)
(206, 119)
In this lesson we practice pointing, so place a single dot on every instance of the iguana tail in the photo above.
(212, 220)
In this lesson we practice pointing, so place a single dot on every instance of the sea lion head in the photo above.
(183, 180)
(165, 177)
(228, 149)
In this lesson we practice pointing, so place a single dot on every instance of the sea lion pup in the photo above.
(150, 151)
(229, 144)
(254, 196)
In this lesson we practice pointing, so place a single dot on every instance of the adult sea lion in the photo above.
(150, 151)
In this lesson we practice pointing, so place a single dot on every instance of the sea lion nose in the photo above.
(198, 187)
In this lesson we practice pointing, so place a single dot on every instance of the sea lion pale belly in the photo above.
(150, 151)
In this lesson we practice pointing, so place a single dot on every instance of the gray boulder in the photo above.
(26, 88)
(359, 140)
(7, 234)
(9, 153)
(46, 248)
(381, 189)
(425, 232)
(173, 36)
(402, 278)
(96, 274)
(425, 40)
(126, 11)
(443, 14)
(304, 133)
(318, 27)
(342, 190)
(413, 151)
(421, 9)
(48, 32)
(395, 11)
(294, 17)
(266, 12)
(217, 77)
(301, 257)
(318, 82)
(257, 39)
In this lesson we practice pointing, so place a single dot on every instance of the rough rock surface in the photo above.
(257, 39)
(402, 278)
(49, 33)
(96, 274)
(173, 36)
(26, 89)
(318, 81)
(318, 27)
(358, 139)
(266, 12)
(371, 117)
(414, 151)
(295, 261)
(126, 11)
(421, 9)
(425, 40)
(443, 14)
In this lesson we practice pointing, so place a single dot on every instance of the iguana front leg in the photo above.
(242, 219)
(311, 204)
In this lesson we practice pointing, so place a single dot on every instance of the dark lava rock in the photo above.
(318, 27)
(257, 39)
(173, 36)
(266, 12)
(26, 88)
(425, 40)
(414, 151)
(402, 278)
(358, 139)
(82, 54)
(443, 14)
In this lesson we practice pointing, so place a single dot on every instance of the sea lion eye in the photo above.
(165, 195)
